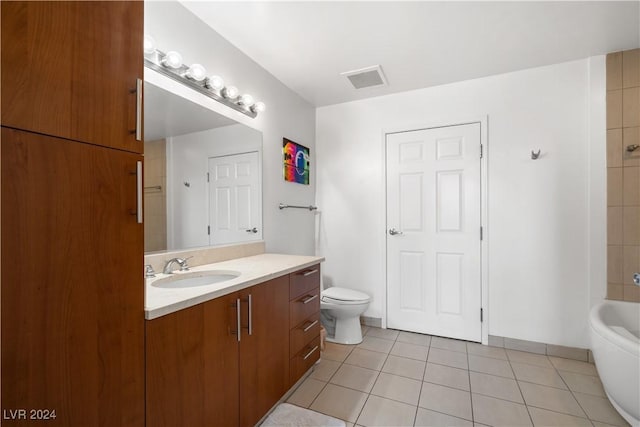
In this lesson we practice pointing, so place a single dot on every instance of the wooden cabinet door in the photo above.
(192, 366)
(71, 281)
(264, 353)
(68, 68)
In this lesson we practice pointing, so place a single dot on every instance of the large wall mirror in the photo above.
(202, 175)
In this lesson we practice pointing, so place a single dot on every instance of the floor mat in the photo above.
(289, 415)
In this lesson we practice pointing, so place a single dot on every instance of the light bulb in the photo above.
(246, 100)
(149, 45)
(196, 72)
(230, 92)
(215, 83)
(172, 60)
(258, 107)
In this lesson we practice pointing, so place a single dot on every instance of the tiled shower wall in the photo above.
(155, 196)
(623, 174)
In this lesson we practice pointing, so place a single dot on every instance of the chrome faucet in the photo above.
(182, 262)
(148, 272)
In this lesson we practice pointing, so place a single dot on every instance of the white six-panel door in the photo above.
(433, 231)
(235, 200)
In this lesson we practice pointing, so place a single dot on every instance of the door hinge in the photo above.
(209, 230)
(481, 315)
(481, 150)
(481, 233)
(207, 176)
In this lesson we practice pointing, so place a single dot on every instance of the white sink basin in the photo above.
(197, 278)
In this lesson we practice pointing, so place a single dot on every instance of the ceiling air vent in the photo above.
(366, 77)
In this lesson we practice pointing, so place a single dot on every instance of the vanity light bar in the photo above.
(170, 65)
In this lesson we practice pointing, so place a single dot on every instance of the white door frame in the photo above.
(484, 196)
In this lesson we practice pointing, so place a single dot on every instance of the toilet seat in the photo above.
(344, 296)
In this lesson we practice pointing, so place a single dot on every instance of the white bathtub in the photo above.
(615, 342)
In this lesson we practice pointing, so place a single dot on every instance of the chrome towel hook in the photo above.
(534, 155)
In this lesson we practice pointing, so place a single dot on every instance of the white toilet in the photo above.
(340, 314)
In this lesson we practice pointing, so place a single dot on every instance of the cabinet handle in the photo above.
(249, 327)
(309, 273)
(238, 317)
(250, 317)
(309, 299)
(310, 353)
(139, 190)
(138, 211)
(314, 323)
(138, 109)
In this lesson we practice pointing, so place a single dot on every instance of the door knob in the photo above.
(394, 232)
(252, 230)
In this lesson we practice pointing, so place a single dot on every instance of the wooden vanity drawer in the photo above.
(304, 306)
(304, 281)
(305, 359)
(303, 333)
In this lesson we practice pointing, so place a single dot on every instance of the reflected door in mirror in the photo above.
(235, 207)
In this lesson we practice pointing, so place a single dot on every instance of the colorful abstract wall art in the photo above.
(296, 162)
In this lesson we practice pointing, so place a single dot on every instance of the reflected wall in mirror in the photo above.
(203, 175)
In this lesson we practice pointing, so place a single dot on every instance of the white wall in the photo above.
(288, 115)
(188, 161)
(597, 186)
(538, 217)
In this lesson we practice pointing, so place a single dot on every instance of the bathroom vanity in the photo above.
(226, 353)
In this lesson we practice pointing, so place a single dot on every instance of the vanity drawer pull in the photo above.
(311, 325)
(309, 273)
(310, 353)
(308, 299)
(302, 309)
(305, 281)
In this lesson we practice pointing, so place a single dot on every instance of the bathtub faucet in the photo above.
(636, 278)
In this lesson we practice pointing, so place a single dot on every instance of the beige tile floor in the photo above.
(403, 379)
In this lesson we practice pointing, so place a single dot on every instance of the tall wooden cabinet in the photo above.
(71, 282)
(70, 69)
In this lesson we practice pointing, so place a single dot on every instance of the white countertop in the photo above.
(253, 270)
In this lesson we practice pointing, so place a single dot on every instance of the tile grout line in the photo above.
(319, 393)
(325, 384)
(591, 420)
(572, 394)
(373, 385)
(515, 378)
(424, 372)
(415, 416)
(473, 418)
(328, 382)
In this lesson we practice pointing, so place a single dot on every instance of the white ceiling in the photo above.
(306, 45)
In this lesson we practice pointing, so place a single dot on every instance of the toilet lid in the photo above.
(344, 294)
